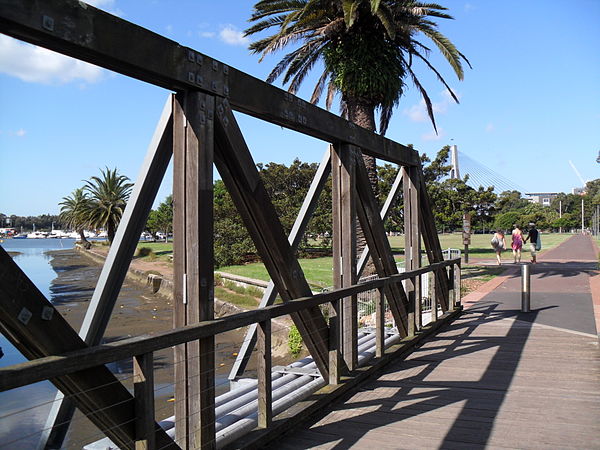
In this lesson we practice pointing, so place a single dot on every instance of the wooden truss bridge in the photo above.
(198, 130)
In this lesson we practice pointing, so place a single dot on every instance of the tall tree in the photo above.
(161, 219)
(108, 196)
(368, 48)
(74, 213)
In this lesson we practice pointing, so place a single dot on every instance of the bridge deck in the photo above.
(496, 378)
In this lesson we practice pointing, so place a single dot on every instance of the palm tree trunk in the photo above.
(86, 244)
(361, 113)
(110, 230)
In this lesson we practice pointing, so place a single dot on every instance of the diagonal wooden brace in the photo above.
(383, 259)
(37, 329)
(239, 173)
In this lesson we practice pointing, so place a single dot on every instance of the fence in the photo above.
(367, 300)
(237, 420)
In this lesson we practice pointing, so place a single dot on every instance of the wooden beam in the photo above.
(143, 389)
(32, 324)
(432, 243)
(84, 32)
(239, 173)
(179, 269)
(412, 243)
(304, 215)
(265, 395)
(343, 161)
(195, 221)
(379, 245)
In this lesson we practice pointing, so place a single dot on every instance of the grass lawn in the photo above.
(161, 251)
(480, 243)
(319, 271)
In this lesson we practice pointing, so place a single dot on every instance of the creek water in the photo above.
(67, 279)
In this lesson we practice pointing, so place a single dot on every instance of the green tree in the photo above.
(108, 197)
(511, 201)
(74, 213)
(232, 243)
(161, 219)
(367, 46)
(505, 221)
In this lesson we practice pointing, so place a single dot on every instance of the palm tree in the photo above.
(108, 196)
(74, 211)
(367, 46)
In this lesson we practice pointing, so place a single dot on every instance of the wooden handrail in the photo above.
(56, 366)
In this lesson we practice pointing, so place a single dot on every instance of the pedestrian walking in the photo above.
(517, 243)
(499, 245)
(534, 237)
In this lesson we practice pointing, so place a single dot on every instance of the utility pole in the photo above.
(582, 227)
(560, 214)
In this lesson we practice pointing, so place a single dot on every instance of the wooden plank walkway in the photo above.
(496, 378)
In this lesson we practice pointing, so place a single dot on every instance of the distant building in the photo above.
(542, 198)
(579, 191)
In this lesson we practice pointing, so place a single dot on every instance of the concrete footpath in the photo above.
(565, 288)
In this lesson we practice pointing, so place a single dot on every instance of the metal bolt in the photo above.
(215, 65)
(225, 121)
(191, 56)
(47, 313)
(214, 85)
(199, 80)
(226, 91)
(211, 115)
(225, 69)
(48, 23)
(202, 118)
(24, 316)
(191, 77)
(199, 59)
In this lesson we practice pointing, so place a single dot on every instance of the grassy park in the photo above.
(319, 272)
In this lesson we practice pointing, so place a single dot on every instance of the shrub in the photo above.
(145, 252)
(294, 341)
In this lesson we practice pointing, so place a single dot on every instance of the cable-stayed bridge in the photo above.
(481, 175)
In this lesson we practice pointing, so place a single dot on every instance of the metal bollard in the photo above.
(525, 288)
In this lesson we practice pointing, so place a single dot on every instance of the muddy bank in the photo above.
(136, 312)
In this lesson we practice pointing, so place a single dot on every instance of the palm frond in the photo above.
(426, 98)
(439, 76)
(319, 87)
(385, 116)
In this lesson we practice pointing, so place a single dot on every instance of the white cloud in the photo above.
(431, 136)
(39, 65)
(20, 132)
(418, 112)
(208, 34)
(469, 7)
(230, 35)
(489, 127)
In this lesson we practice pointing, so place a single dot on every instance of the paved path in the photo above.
(496, 378)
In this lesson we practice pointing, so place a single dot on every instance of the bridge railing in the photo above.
(142, 348)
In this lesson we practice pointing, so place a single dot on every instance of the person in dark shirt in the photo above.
(532, 237)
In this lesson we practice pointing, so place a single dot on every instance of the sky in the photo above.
(529, 108)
